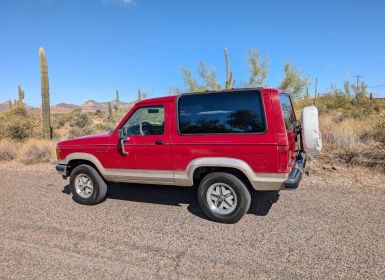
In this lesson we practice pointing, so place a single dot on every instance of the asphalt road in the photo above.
(332, 227)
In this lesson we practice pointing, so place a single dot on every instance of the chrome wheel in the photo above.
(84, 186)
(221, 198)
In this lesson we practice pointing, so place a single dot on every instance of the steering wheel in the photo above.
(141, 127)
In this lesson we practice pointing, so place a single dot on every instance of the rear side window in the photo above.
(287, 111)
(221, 112)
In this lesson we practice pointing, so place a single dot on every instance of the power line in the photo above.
(377, 86)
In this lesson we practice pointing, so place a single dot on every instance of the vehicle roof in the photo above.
(173, 98)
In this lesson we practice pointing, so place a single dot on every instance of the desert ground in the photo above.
(332, 227)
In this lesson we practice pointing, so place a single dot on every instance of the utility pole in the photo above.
(315, 91)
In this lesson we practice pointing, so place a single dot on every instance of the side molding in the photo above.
(259, 181)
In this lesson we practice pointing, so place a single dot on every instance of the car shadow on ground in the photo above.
(175, 196)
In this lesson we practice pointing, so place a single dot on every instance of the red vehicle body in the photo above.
(269, 161)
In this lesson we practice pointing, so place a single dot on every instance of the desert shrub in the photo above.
(17, 125)
(8, 150)
(77, 132)
(379, 130)
(99, 113)
(36, 151)
(105, 126)
(81, 120)
(352, 140)
(60, 120)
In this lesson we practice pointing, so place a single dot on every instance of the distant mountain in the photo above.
(4, 106)
(61, 108)
(92, 105)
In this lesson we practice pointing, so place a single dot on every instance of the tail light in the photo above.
(57, 153)
(283, 157)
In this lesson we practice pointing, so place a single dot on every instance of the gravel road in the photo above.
(332, 227)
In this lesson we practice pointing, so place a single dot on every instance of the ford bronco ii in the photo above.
(228, 144)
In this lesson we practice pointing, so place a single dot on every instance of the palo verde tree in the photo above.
(207, 75)
(173, 90)
(45, 104)
(292, 81)
(258, 68)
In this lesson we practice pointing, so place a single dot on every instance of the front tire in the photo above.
(87, 186)
(223, 197)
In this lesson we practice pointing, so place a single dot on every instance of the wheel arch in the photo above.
(200, 167)
(202, 171)
(75, 159)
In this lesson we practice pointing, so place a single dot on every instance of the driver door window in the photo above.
(146, 121)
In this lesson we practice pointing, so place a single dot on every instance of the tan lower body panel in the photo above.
(260, 181)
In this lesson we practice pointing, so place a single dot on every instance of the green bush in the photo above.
(77, 132)
(81, 120)
(379, 130)
(17, 125)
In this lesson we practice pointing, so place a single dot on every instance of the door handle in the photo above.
(160, 142)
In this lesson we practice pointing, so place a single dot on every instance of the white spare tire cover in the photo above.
(311, 135)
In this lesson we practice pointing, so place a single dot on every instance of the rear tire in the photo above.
(223, 197)
(87, 186)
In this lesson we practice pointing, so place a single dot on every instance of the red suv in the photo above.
(229, 143)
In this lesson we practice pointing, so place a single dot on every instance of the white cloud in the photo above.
(123, 3)
(328, 65)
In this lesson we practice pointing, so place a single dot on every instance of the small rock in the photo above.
(327, 167)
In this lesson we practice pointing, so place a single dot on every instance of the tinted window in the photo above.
(287, 111)
(235, 112)
(146, 121)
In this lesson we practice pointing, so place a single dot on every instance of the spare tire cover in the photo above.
(311, 135)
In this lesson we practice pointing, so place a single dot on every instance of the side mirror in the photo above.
(123, 133)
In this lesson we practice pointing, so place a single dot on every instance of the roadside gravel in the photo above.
(332, 227)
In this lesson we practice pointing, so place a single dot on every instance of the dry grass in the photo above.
(353, 141)
(36, 151)
(8, 150)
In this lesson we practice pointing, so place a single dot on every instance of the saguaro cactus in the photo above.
(20, 95)
(229, 74)
(45, 105)
(117, 99)
(109, 111)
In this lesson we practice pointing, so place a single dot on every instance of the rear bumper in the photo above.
(295, 176)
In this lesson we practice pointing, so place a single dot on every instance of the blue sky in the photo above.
(96, 46)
